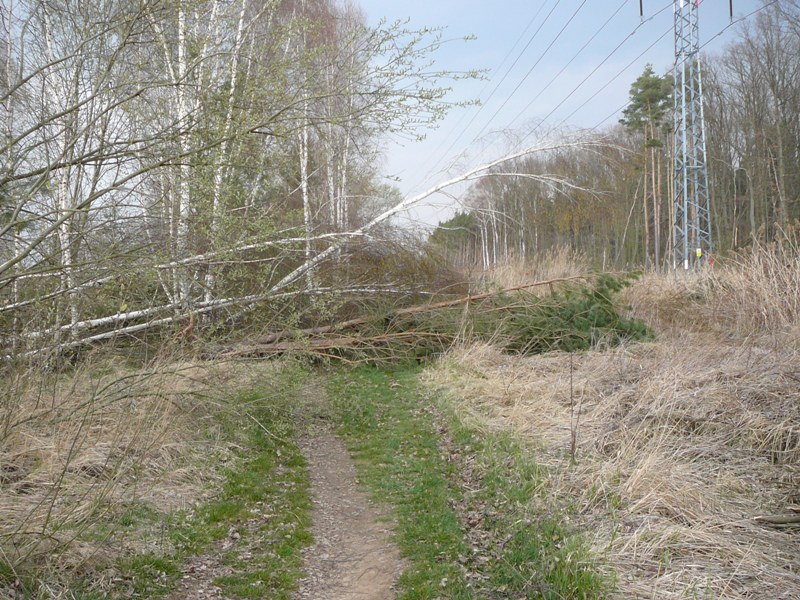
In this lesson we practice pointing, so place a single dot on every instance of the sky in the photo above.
(549, 64)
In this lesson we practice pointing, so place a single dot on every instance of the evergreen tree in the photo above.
(651, 97)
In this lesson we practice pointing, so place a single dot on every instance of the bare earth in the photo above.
(352, 557)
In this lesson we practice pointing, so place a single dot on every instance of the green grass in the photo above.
(401, 463)
(472, 515)
(150, 574)
(264, 499)
(542, 556)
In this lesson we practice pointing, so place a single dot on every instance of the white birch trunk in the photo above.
(304, 191)
(63, 203)
(330, 169)
(8, 129)
(477, 172)
(221, 169)
(495, 237)
(344, 219)
(184, 172)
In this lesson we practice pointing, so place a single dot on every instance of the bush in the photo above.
(523, 322)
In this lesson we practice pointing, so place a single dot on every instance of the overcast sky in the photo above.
(542, 85)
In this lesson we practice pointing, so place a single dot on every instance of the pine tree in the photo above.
(651, 97)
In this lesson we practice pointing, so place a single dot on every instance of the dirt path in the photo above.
(352, 558)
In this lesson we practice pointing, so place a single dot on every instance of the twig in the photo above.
(574, 422)
(267, 431)
(781, 520)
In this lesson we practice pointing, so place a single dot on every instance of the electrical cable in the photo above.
(456, 126)
(571, 60)
(597, 68)
(494, 90)
(535, 64)
(614, 78)
(608, 57)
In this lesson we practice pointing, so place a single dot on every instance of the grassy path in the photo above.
(470, 515)
(472, 518)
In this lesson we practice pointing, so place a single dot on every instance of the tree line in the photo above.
(613, 200)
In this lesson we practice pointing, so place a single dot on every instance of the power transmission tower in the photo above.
(692, 226)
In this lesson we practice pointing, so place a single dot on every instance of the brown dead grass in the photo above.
(556, 263)
(754, 294)
(681, 442)
(77, 449)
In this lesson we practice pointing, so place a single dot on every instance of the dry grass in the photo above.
(78, 449)
(554, 264)
(756, 293)
(681, 442)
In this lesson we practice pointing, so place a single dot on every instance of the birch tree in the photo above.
(155, 172)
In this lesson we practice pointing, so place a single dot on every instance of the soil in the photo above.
(197, 580)
(351, 558)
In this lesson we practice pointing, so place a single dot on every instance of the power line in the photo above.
(539, 59)
(617, 111)
(597, 68)
(466, 128)
(571, 60)
(608, 57)
(614, 78)
(541, 56)
(457, 127)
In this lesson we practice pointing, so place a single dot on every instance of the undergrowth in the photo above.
(470, 507)
(249, 531)
(575, 316)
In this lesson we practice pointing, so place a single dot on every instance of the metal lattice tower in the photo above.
(692, 226)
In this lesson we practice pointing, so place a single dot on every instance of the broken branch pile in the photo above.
(573, 315)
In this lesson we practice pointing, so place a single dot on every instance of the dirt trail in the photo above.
(351, 558)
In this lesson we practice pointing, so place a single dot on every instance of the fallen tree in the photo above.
(126, 322)
(575, 315)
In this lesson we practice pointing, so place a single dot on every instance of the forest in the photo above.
(163, 160)
(613, 201)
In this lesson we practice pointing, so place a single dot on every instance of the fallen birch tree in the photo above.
(123, 322)
(577, 314)
(476, 172)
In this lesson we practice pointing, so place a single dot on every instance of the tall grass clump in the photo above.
(556, 263)
(758, 290)
(754, 292)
